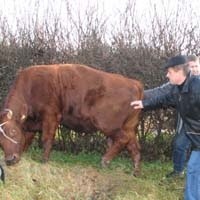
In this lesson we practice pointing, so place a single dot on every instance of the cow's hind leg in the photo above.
(119, 141)
(134, 149)
(109, 142)
(133, 145)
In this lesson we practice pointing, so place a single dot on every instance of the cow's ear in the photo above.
(9, 113)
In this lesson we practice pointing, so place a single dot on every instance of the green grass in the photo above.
(80, 177)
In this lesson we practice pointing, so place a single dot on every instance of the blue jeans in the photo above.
(181, 145)
(192, 187)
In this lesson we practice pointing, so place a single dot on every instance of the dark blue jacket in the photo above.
(164, 89)
(187, 101)
(158, 91)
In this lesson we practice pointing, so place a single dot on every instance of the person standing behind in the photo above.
(181, 143)
(2, 174)
(185, 97)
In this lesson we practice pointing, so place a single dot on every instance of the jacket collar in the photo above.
(185, 88)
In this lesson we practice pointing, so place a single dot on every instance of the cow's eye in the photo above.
(13, 132)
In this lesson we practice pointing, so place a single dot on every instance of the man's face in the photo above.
(176, 77)
(194, 67)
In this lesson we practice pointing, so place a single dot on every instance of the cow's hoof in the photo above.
(105, 163)
(44, 160)
(136, 173)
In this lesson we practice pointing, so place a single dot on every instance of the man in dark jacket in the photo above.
(181, 143)
(185, 97)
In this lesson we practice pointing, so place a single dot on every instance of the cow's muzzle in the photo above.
(12, 159)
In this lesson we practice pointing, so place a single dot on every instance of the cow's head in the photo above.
(11, 137)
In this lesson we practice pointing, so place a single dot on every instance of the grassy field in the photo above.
(80, 177)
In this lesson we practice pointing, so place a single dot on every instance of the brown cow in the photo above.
(79, 97)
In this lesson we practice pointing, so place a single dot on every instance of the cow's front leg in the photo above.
(28, 140)
(48, 135)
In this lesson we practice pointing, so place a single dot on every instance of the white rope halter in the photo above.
(4, 134)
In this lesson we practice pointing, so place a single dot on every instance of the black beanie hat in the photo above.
(176, 60)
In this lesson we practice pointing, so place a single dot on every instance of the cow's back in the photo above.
(94, 99)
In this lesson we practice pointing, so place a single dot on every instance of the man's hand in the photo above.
(137, 104)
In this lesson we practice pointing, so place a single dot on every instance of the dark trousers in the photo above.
(192, 186)
(181, 146)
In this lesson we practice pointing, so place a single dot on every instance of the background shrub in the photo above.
(128, 48)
